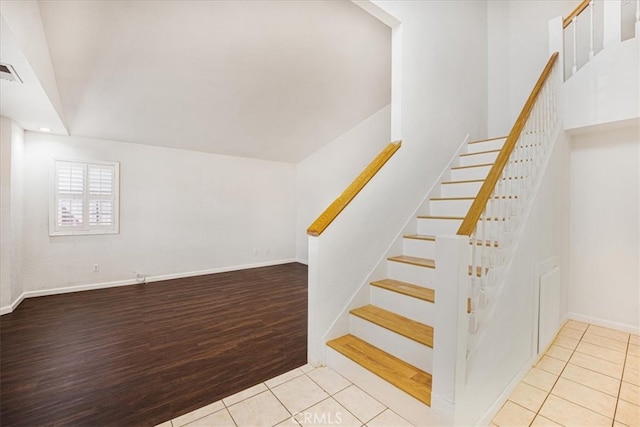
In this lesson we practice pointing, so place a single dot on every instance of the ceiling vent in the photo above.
(7, 72)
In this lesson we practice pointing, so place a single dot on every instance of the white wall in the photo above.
(605, 226)
(441, 102)
(23, 17)
(507, 345)
(181, 212)
(606, 89)
(517, 52)
(324, 175)
(5, 212)
(11, 213)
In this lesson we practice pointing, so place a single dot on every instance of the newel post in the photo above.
(315, 346)
(450, 329)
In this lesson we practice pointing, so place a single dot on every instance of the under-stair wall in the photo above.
(508, 343)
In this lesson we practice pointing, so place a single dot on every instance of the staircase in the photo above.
(392, 337)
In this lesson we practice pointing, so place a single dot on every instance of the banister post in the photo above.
(450, 328)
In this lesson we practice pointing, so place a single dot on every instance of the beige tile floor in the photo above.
(589, 376)
(306, 396)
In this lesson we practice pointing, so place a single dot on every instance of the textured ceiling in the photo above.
(268, 79)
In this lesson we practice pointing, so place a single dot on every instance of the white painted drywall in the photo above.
(508, 343)
(444, 81)
(606, 89)
(518, 47)
(25, 22)
(180, 211)
(605, 226)
(5, 211)
(11, 214)
(324, 175)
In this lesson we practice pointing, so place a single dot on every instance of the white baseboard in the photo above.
(9, 308)
(103, 285)
(218, 270)
(493, 410)
(604, 323)
(497, 404)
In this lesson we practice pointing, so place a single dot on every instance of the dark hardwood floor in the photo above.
(143, 354)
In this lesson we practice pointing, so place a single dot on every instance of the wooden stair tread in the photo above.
(402, 375)
(478, 270)
(480, 152)
(452, 198)
(401, 325)
(405, 288)
(487, 140)
(464, 181)
(457, 218)
(420, 237)
(473, 166)
(421, 262)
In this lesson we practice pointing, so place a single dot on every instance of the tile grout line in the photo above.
(615, 411)
(559, 375)
(331, 395)
(560, 397)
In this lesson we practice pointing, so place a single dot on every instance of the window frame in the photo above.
(86, 197)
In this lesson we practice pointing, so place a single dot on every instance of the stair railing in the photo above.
(497, 213)
(591, 26)
(575, 19)
(338, 205)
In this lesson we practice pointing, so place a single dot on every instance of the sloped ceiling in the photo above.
(274, 80)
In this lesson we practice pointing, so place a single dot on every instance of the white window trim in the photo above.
(87, 229)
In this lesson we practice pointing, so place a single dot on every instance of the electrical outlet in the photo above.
(96, 268)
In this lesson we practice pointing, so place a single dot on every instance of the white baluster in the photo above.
(591, 6)
(574, 21)
(637, 18)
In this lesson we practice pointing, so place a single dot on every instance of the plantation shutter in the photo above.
(85, 199)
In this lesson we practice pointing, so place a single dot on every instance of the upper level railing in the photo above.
(496, 214)
(592, 25)
(334, 209)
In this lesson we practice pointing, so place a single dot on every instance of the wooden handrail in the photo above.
(479, 203)
(329, 214)
(577, 11)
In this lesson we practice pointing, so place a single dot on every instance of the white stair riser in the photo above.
(449, 207)
(419, 248)
(496, 144)
(478, 159)
(463, 189)
(421, 276)
(479, 172)
(412, 352)
(434, 227)
(416, 309)
(395, 399)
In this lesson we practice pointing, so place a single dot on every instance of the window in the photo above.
(84, 198)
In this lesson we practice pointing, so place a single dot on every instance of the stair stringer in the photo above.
(340, 325)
